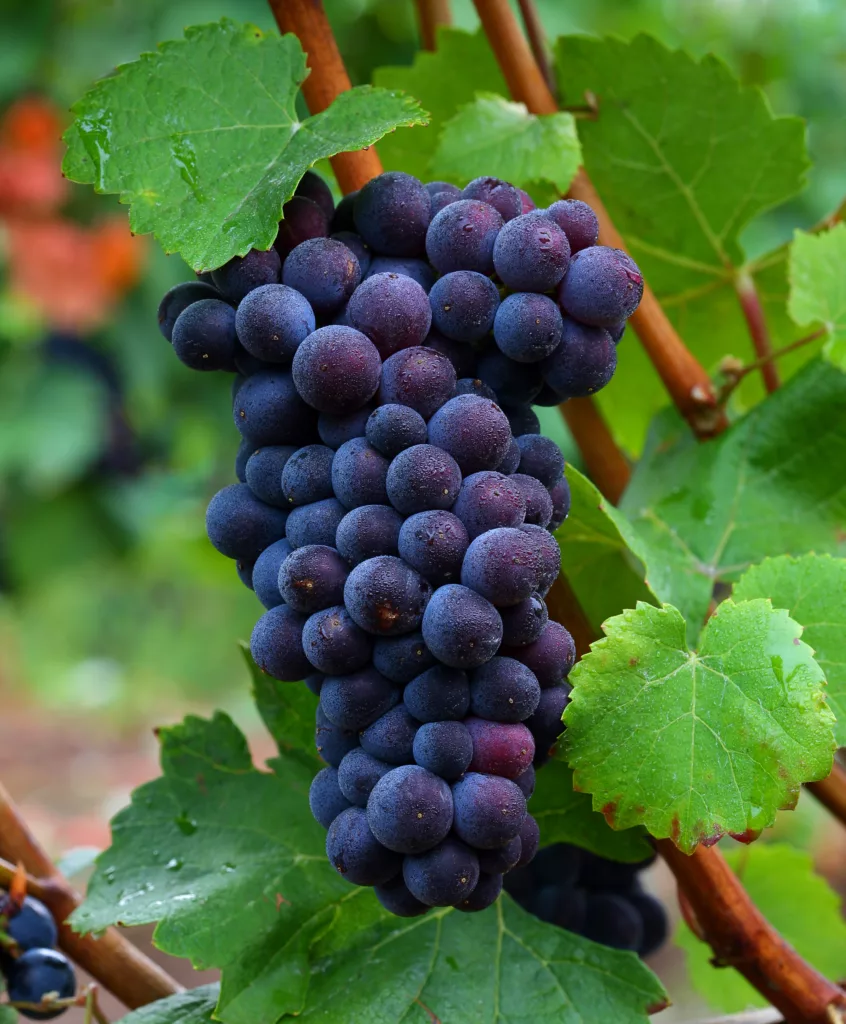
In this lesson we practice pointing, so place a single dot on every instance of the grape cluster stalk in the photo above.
(396, 501)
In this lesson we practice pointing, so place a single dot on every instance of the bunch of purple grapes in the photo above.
(40, 980)
(601, 899)
(396, 501)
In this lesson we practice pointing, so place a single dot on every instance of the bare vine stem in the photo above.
(431, 14)
(737, 374)
(756, 321)
(537, 40)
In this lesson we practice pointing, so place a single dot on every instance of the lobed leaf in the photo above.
(717, 740)
(818, 286)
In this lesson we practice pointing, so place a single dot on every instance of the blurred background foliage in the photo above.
(111, 599)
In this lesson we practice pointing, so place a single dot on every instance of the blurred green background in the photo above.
(112, 602)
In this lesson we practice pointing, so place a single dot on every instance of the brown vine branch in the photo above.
(112, 959)
(753, 311)
(737, 373)
(684, 377)
(307, 20)
(831, 792)
(608, 467)
(430, 14)
(537, 40)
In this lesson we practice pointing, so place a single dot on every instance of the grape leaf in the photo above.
(492, 135)
(566, 816)
(208, 173)
(818, 286)
(442, 81)
(703, 513)
(796, 901)
(196, 1006)
(229, 862)
(8, 1015)
(596, 556)
(716, 740)
(813, 590)
(684, 158)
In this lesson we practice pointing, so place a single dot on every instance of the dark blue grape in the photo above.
(462, 357)
(474, 386)
(578, 222)
(245, 575)
(514, 383)
(315, 524)
(334, 644)
(315, 681)
(203, 336)
(355, 853)
(358, 773)
(511, 461)
(603, 286)
(423, 477)
(464, 305)
(528, 327)
(313, 187)
(269, 411)
(537, 497)
(263, 472)
(501, 861)
(550, 657)
(503, 690)
(462, 236)
(505, 749)
(273, 321)
(546, 397)
(402, 658)
(331, 742)
(433, 187)
(37, 973)
(522, 419)
(531, 254)
(240, 526)
(583, 363)
(392, 310)
(461, 628)
(312, 578)
(526, 781)
(549, 553)
(439, 694)
(391, 737)
(562, 906)
(410, 809)
(368, 531)
(393, 428)
(266, 573)
(483, 896)
(499, 194)
(179, 298)
(325, 797)
(442, 199)
(545, 724)
(529, 841)
(358, 474)
(325, 271)
(386, 597)
(444, 875)
(488, 500)
(443, 748)
(247, 365)
(392, 214)
(302, 219)
(434, 544)
(418, 377)
(523, 623)
(355, 700)
(343, 219)
(489, 810)
(617, 331)
(337, 430)
(502, 565)
(337, 370)
(653, 919)
(32, 926)
(245, 450)
(277, 644)
(307, 475)
(599, 873)
(396, 899)
(541, 458)
(358, 247)
(243, 273)
(473, 430)
(417, 270)
(613, 921)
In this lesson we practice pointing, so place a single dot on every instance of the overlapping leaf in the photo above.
(202, 140)
(716, 740)
(196, 1006)
(818, 286)
(813, 590)
(229, 862)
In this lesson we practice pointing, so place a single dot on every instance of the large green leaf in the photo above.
(196, 1006)
(818, 286)
(492, 135)
(442, 81)
(202, 140)
(703, 513)
(796, 901)
(229, 862)
(684, 158)
(813, 590)
(696, 744)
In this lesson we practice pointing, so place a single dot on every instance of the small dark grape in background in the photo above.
(462, 236)
(528, 327)
(325, 271)
(603, 286)
(442, 199)
(272, 321)
(368, 531)
(531, 254)
(313, 187)
(342, 219)
(359, 248)
(541, 458)
(474, 386)
(302, 219)
(245, 449)
(499, 194)
(402, 658)
(613, 921)
(337, 370)
(464, 304)
(36, 973)
(396, 899)
(392, 214)
(243, 273)
(179, 298)
(537, 498)
(514, 383)
(332, 743)
(578, 222)
(336, 430)
(203, 336)
(523, 623)
(265, 577)
(560, 494)
(316, 523)
(522, 419)
(325, 797)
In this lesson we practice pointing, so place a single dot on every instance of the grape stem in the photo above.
(537, 40)
(111, 959)
(87, 999)
(831, 792)
(431, 14)
(753, 311)
(736, 374)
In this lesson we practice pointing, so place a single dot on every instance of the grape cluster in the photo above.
(396, 501)
(30, 964)
(601, 899)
